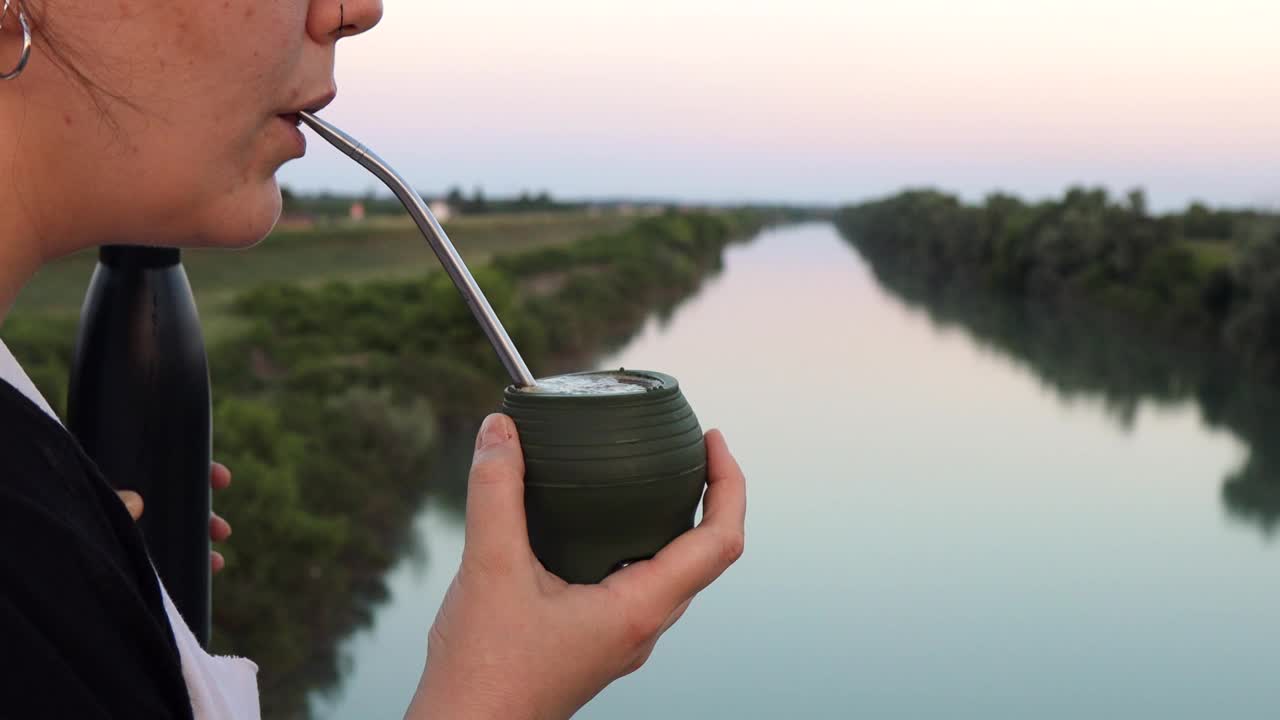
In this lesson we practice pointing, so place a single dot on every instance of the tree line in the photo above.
(1202, 278)
(328, 204)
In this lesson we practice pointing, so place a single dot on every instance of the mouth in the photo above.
(315, 105)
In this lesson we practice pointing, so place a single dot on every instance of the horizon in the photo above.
(815, 102)
(1118, 197)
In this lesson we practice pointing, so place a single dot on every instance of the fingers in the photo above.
(495, 493)
(132, 502)
(219, 529)
(219, 476)
(692, 561)
(725, 504)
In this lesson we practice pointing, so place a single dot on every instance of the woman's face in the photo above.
(181, 143)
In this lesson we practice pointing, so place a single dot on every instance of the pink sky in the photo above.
(810, 100)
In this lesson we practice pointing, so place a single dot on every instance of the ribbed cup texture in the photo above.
(609, 479)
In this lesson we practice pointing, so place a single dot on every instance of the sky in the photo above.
(814, 101)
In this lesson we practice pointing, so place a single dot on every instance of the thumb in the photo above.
(495, 492)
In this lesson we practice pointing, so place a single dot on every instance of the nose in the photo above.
(330, 20)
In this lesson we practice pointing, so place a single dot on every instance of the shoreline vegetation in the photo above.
(331, 248)
(1098, 298)
(1202, 280)
(331, 401)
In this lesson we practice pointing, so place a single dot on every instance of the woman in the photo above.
(164, 122)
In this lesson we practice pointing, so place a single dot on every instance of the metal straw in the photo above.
(438, 240)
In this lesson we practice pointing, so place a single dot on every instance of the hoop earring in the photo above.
(26, 41)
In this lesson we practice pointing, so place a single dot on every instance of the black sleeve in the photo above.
(83, 632)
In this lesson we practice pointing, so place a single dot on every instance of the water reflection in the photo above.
(1078, 353)
(298, 646)
(439, 502)
(930, 534)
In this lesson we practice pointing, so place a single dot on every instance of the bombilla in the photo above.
(438, 241)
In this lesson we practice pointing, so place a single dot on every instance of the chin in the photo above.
(241, 220)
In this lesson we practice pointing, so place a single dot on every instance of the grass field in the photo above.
(341, 251)
(1211, 254)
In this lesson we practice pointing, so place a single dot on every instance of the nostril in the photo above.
(364, 16)
(345, 28)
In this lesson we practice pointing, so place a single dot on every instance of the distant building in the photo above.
(442, 210)
(357, 213)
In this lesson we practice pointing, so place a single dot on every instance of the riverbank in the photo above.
(330, 401)
(1154, 335)
(928, 518)
(41, 328)
(327, 251)
(1201, 280)
(331, 390)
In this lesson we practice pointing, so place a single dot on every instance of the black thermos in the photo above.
(139, 403)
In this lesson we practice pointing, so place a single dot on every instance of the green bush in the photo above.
(1155, 272)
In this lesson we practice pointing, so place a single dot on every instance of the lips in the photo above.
(293, 122)
(315, 105)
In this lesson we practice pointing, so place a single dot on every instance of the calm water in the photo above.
(939, 526)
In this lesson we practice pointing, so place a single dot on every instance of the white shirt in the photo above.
(221, 688)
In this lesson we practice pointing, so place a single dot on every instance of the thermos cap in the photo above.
(138, 256)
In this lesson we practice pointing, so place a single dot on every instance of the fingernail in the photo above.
(493, 431)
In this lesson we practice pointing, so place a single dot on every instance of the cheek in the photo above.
(188, 189)
(198, 146)
(227, 58)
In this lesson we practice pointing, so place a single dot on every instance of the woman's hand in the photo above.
(219, 529)
(513, 641)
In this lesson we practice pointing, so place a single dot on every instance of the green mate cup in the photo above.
(615, 466)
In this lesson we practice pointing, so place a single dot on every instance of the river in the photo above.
(936, 527)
